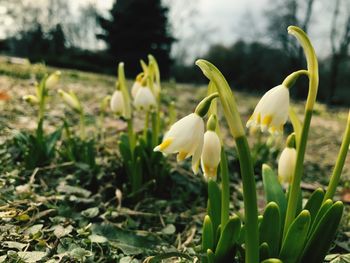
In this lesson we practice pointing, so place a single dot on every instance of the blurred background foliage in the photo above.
(87, 37)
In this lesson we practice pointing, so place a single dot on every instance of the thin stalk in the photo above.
(250, 201)
(82, 125)
(225, 190)
(344, 148)
(131, 136)
(312, 66)
(234, 121)
(155, 127)
(145, 127)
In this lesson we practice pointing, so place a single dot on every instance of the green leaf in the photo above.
(214, 209)
(31, 256)
(208, 234)
(169, 229)
(295, 239)
(91, 212)
(322, 236)
(274, 191)
(97, 239)
(225, 249)
(270, 228)
(314, 203)
(322, 211)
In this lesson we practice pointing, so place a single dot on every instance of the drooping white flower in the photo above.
(271, 112)
(144, 99)
(117, 102)
(135, 88)
(286, 165)
(185, 138)
(211, 154)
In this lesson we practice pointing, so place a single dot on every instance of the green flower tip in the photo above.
(266, 168)
(211, 123)
(203, 107)
(291, 141)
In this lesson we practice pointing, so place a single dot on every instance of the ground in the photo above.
(55, 217)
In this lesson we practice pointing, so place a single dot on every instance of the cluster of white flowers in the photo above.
(144, 99)
(186, 137)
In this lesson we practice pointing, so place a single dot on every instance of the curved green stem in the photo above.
(236, 128)
(312, 65)
(344, 148)
(131, 135)
(82, 125)
(290, 79)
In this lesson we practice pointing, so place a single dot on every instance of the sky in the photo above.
(226, 21)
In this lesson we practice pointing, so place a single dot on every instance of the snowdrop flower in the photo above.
(144, 99)
(287, 161)
(71, 100)
(31, 99)
(53, 79)
(185, 138)
(271, 112)
(211, 154)
(135, 88)
(117, 102)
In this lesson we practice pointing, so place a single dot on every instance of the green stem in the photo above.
(250, 201)
(290, 79)
(145, 128)
(225, 190)
(344, 148)
(82, 125)
(155, 127)
(236, 128)
(312, 66)
(131, 136)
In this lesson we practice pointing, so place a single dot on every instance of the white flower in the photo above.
(185, 137)
(144, 99)
(271, 112)
(117, 102)
(53, 79)
(211, 154)
(286, 165)
(135, 88)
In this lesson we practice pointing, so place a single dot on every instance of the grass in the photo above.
(61, 217)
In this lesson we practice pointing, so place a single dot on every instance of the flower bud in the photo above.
(71, 100)
(211, 154)
(286, 165)
(31, 99)
(53, 79)
(117, 103)
(144, 99)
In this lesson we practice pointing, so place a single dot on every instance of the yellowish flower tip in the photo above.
(185, 137)
(271, 112)
(53, 79)
(163, 145)
(70, 99)
(31, 99)
(203, 107)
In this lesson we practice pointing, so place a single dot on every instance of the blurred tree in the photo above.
(57, 40)
(137, 28)
(340, 41)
